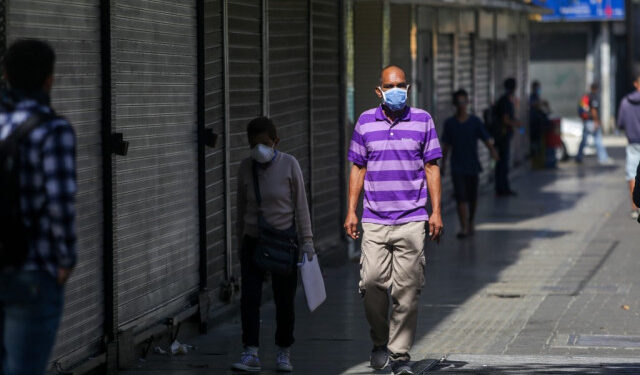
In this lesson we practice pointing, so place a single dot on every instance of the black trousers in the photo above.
(502, 168)
(284, 292)
(465, 188)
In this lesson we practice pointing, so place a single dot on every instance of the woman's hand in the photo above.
(308, 250)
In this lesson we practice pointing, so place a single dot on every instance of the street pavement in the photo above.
(548, 285)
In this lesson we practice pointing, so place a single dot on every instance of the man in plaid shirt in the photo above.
(31, 296)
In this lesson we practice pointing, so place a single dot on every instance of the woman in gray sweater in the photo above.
(284, 202)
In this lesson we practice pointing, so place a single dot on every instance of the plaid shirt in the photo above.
(47, 181)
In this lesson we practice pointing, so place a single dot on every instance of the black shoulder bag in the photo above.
(277, 250)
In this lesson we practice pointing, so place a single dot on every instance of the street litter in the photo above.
(176, 348)
(159, 350)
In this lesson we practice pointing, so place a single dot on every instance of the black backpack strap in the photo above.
(256, 184)
(25, 128)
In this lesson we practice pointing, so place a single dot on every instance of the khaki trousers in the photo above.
(392, 258)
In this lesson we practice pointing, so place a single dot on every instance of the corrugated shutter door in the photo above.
(483, 97)
(465, 64)
(214, 162)
(444, 90)
(326, 117)
(483, 76)
(74, 31)
(156, 222)
(444, 78)
(522, 45)
(289, 77)
(245, 83)
(367, 55)
(511, 67)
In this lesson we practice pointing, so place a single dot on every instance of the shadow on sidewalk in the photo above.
(335, 339)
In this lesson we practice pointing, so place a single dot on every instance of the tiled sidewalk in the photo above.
(546, 275)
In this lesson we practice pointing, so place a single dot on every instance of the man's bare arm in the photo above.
(434, 186)
(356, 184)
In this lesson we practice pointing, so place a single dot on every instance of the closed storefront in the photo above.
(73, 28)
(482, 97)
(465, 64)
(176, 78)
(214, 113)
(155, 189)
(326, 148)
(288, 77)
(245, 95)
(444, 78)
(368, 54)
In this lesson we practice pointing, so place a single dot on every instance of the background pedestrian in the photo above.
(43, 227)
(460, 137)
(629, 121)
(281, 206)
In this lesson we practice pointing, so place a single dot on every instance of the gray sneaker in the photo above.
(379, 357)
(401, 367)
(283, 361)
(249, 362)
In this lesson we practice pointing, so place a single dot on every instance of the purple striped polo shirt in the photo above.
(395, 186)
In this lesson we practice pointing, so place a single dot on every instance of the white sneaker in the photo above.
(283, 360)
(635, 214)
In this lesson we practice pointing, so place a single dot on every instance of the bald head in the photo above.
(392, 73)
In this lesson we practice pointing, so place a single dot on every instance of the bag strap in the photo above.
(256, 184)
(11, 143)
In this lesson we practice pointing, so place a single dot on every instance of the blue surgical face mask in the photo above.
(395, 99)
(263, 154)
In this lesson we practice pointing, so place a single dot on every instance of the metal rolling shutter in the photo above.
(444, 78)
(444, 90)
(214, 162)
(465, 65)
(245, 84)
(367, 55)
(73, 28)
(482, 62)
(522, 45)
(483, 97)
(501, 67)
(511, 71)
(326, 117)
(400, 35)
(155, 198)
(289, 77)
(511, 68)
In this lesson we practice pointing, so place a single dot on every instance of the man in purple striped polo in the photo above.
(394, 151)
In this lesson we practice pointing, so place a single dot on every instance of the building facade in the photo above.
(160, 93)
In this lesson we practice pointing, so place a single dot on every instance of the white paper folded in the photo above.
(312, 282)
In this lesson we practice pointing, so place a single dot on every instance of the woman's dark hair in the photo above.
(510, 84)
(457, 94)
(261, 125)
(28, 63)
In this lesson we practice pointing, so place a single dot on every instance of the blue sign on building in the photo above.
(582, 10)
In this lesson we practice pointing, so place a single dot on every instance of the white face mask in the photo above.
(262, 153)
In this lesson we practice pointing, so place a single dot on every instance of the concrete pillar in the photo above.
(605, 74)
(590, 60)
